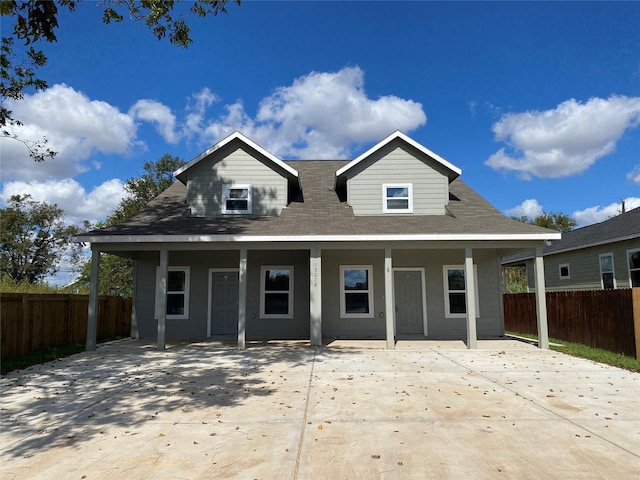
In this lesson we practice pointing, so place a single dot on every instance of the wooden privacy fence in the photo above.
(32, 322)
(607, 319)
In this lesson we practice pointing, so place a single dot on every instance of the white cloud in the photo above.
(564, 141)
(321, 115)
(530, 208)
(74, 125)
(599, 213)
(634, 175)
(77, 204)
(159, 114)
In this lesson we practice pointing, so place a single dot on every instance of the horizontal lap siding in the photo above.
(430, 187)
(584, 267)
(490, 320)
(194, 327)
(269, 189)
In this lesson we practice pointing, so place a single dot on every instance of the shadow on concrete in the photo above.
(129, 383)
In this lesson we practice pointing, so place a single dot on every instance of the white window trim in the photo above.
(613, 269)
(445, 279)
(187, 288)
(408, 186)
(629, 269)
(225, 197)
(560, 276)
(343, 292)
(263, 292)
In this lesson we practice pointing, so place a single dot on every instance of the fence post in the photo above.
(635, 296)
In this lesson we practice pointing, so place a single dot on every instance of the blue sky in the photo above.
(537, 103)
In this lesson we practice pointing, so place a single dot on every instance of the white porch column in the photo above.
(134, 314)
(92, 320)
(470, 289)
(541, 301)
(388, 298)
(242, 299)
(315, 295)
(162, 296)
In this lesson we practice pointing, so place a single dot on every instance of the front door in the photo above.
(224, 303)
(407, 288)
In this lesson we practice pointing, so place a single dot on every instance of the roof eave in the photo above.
(225, 141)
(455, 171)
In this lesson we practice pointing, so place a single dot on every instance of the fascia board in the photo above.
(313, 238)
(410, 141)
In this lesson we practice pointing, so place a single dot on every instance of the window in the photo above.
(356, 291)
(397, 198)
(455, 300)
(633, 257)
(607, 276)
(177, 292)
(564, 270)
(276, 292)
(236, 199)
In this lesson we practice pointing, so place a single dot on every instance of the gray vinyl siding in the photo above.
(488, 324)
(194, 327)
(206, 180)
(333, 325)
(283, 328)
(584, 266)
(398, 166)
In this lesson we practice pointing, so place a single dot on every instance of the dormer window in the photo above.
(236, 199)
(397, 198)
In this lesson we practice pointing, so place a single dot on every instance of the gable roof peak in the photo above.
(454, 171)
(236, 135)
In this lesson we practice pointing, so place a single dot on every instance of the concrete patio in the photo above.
(345, 411)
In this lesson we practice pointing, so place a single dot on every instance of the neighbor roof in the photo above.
(625, 226)
(318, 213)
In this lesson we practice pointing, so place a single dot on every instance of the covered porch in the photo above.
(324, 300)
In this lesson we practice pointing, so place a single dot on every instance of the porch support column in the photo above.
(242, 299)
(92, 320)
(470, 288)
(162, 296)
(541, 301)
(315, 295)
(388, 298)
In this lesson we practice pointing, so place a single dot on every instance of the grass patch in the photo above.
(590, 353)
(44, 355)
(39, 356)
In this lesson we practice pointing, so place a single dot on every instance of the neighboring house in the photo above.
(246, 245)
(605, 255)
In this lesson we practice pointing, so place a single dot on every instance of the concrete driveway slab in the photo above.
(348, 410)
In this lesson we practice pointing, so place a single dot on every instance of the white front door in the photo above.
(409, 301)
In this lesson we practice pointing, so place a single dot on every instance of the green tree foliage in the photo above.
(515, 279)
(116, 273)
(32, 21)
(555, 221)
(33, 239)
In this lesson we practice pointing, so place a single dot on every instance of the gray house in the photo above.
(605, 255)
(245, 245)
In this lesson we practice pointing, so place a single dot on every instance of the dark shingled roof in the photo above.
(621, 227)
(318, 210)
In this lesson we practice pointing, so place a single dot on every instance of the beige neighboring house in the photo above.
(605, 255)
(247, 246)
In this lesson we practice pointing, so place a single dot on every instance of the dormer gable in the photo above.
(236, 176)
(397, 176)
